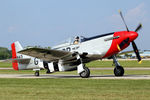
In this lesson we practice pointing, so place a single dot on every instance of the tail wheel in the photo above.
(119, 71)
(85, 73)
(37, 73)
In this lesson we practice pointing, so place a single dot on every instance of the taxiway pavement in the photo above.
(74, 76)
(107, 68)
(77, 76)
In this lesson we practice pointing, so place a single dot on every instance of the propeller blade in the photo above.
(138, 28)
(123, 20)
(136, 51)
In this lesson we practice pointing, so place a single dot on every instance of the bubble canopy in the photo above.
(70, 41)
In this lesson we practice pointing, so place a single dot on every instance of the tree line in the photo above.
(5, 53)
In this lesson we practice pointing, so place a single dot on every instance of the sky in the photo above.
(49, 22)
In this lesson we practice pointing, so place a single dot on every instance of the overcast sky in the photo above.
(48, 22)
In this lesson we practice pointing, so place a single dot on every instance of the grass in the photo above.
(77, 89)
(97, 64)
(102, 64)
(93, 72)
(127, 72)
(124, 63)
(5, 65)
(74, 89)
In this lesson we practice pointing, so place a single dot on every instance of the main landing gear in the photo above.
(118, 70)
(85, 73)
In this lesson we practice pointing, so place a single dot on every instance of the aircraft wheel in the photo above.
(37, 73)
(85, 73)
(119, 71)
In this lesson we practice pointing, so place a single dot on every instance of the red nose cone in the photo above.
(133, 35)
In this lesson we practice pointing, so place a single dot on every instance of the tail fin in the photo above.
(16, 46)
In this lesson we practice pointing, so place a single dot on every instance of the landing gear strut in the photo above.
(118, 70)
(83, 71)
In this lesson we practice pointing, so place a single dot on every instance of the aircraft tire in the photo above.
(119, 71)
(37, 73)
(85, 73)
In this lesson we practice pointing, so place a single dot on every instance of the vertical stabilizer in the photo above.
(16, 46)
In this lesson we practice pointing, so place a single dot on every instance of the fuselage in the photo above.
(89, 49)
(103, 45)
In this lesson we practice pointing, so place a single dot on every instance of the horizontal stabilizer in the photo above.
(22, 60)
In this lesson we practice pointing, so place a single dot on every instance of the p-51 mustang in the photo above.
(73, 55)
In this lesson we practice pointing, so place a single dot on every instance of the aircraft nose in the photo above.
(133, 35)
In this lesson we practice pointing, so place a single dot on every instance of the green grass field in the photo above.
(74, 89)
(101, 64)
(124, 63)
(93, 72)
(77, 89)
(95, 64)
(5, 65)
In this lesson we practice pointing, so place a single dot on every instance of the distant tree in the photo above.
(47, 47)
(5, 53)
(127, 55)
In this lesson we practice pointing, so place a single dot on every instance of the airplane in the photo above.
(74, 54)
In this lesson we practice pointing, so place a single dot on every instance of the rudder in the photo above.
(16, 46)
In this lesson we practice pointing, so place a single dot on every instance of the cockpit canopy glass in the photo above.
(74, 40)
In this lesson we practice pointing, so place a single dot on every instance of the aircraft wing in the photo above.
(67, 58)
(45, 54)
(72, 60)
(22, 60)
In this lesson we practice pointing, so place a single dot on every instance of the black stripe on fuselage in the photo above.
(98, 36)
